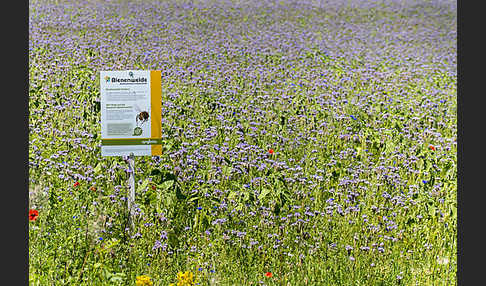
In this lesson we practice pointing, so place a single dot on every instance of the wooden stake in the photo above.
(131, 194)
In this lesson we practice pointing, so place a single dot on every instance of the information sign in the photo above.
(131, 106)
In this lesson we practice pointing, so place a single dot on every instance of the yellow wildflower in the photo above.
(143, 280)
(185, 279)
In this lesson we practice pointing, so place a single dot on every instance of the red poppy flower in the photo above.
(153, 187)
(33, 215)
(76, 184)
(268, 274)
(271, 151)
(431, 147)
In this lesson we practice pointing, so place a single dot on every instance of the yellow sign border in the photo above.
(156, 109)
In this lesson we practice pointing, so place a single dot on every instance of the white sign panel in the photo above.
(130, 113)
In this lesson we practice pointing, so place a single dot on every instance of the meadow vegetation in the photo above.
(304, 144)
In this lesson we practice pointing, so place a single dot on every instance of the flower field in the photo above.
(305, 143)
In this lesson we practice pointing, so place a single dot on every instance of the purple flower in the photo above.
(163, 235)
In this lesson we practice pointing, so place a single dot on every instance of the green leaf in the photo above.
(453, 211)
(420, 164)
(245, 196)
(239, 207)
(144, 184)
(389, 146)
(432, 210)
(150, 197)
(166, 185)
(446, 168)
(263, 194)
(97, 169)
(231, 195)
(227, 170)
(117, 277)
(193, 198)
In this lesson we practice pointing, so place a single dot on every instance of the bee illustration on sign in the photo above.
(141, 117)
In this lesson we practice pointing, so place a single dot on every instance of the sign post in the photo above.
(131, 119)
(131, 194)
